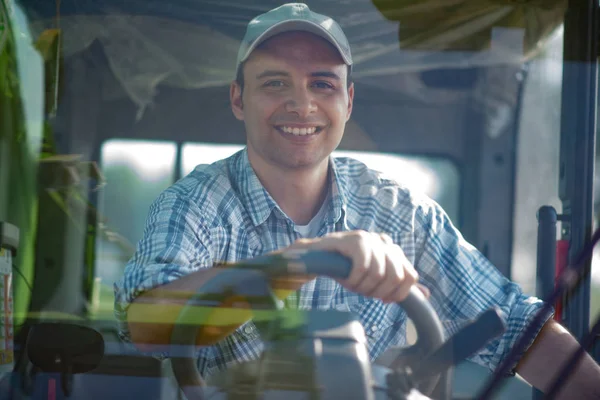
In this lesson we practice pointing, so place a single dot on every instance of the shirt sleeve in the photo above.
(464, 284)
(175, 243)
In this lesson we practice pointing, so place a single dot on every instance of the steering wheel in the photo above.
(254, 275)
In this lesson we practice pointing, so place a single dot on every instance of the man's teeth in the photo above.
(299, 131)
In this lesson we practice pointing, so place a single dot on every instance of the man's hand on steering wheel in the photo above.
(379, 267)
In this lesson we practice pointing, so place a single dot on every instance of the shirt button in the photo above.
(374, 328)
(247, 329)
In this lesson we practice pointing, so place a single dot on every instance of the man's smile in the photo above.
(299, 130)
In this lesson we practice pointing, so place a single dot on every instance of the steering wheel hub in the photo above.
(326, 356)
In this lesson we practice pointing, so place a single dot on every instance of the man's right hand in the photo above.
(379, 267)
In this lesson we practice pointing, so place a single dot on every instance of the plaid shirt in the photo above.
(221, 213)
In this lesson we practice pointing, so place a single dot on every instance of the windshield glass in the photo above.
(108, 106)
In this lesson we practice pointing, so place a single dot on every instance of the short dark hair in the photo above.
(239, 77)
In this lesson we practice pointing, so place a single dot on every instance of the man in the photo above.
(283, 191)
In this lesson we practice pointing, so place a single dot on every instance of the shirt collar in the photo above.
(259, 202)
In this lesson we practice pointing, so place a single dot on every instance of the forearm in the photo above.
(152, 315)
(551, 350)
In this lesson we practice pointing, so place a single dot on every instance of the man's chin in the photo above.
(305, 162)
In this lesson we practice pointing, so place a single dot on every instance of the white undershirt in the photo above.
(311, 229)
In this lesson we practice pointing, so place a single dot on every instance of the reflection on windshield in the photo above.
(156, 74)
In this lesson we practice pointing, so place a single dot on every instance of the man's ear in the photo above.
(350, 100)
(235, 96)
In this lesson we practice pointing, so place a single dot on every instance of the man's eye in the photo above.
(323, 85)
(274, 84)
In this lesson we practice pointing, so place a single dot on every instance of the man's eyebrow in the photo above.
(326, 74)
(316, 74)
(271, 73)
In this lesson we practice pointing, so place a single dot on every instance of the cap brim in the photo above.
(296, 25)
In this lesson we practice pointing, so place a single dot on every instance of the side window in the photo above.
(193, 154)
(537, 166)
(136, 173)
(436, 177)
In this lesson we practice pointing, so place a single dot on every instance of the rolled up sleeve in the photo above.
(464, 284)
(175, 243)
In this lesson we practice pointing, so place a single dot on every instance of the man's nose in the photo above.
(301, 102)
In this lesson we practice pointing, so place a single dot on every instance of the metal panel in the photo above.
(578, 130)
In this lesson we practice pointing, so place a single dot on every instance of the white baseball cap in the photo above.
(292, 17)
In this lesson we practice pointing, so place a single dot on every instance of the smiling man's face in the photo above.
(295, 102)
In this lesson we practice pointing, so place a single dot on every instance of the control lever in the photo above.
(463, 344)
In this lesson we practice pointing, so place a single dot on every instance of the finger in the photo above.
(377, 268)
(400, 293)
(390, 282)
(400, 259)
(363, 259)
(410, 278)
(424, 289)
(387, 239)
(353, 245)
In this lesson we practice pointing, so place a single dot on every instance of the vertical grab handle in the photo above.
(546, 251)
(546, 259)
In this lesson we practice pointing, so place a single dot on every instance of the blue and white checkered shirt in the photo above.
(222, 213)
